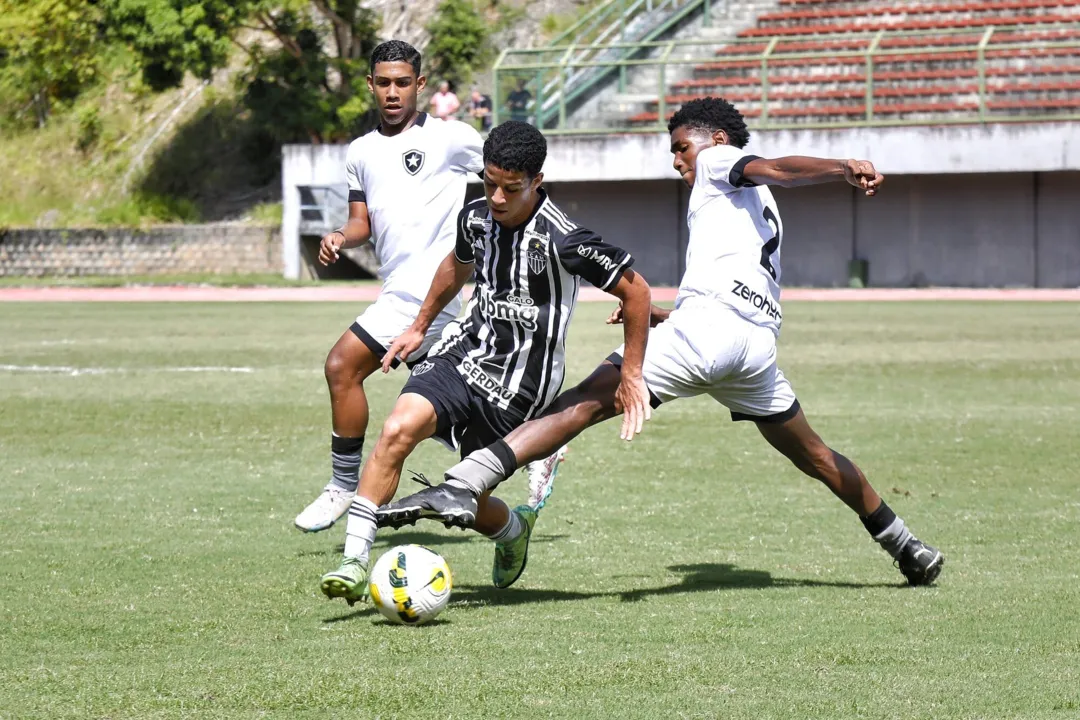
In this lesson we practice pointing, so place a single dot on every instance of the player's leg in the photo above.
(510, 530)
(434, 401)
(412, 420)
(667, 374)
(454, 502)
(590, 402)
(511, 540)
(797, 441)
(355, 356)
(755, 389)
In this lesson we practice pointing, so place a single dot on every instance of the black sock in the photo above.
(887, 529)
(505, 454)
(878, 521)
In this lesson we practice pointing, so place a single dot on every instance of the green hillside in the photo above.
(124, 112)
(125, 155)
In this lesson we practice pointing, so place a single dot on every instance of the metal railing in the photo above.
(604, 34)
(322, 208)
(765, 61)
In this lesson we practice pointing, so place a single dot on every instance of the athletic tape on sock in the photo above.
(479, 472)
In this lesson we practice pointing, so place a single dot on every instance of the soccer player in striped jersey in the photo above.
(721, 338)
(504, 363)
(410, 161)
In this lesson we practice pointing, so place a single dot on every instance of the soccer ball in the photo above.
(410, 584)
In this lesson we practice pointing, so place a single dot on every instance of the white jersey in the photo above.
(734, 251)
(414, 187)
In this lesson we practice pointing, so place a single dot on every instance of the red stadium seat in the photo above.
(966, 8)
(907, 25)
(916, 76)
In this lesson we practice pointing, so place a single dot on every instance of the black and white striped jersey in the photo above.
(511, 345)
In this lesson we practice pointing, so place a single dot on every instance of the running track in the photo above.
(328, 293)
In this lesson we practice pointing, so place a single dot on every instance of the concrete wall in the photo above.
(964, 205)
(926, 150)
(1057, 239)
(934, 230)
(647, 218)
(157, 250)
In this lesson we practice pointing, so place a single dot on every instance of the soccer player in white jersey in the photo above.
(505, 362)
(721, 337)
(407, 183)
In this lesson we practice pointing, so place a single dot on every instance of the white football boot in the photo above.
(327, 509)
(542, 477)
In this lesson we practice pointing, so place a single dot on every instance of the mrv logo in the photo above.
(515, 309)
(761, 302)
(597, 257)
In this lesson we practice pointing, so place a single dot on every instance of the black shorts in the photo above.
(466, 420)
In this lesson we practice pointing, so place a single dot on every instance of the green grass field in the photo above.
(150, 568)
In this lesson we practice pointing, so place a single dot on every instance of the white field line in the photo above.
(76, 371)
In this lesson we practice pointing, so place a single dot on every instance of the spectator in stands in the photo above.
(480, 109)
(518, 102)
(444, 103)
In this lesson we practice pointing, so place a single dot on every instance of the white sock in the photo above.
(510, 531)
(360, 530)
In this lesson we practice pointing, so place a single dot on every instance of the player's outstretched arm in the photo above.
(447, 283)
(796, 170)
(632, 396)
(356, 231)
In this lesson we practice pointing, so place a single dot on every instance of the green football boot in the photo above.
(510, 557)
(348, 582)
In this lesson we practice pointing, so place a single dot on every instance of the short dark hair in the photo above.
(712, 114)
(516, 145)
(396, 51)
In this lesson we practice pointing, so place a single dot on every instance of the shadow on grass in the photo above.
(703, 577)
(418, 537)
(432, 623)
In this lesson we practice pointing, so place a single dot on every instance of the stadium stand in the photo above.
(809, 62)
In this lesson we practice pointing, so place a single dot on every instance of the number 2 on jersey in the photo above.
(772, 245)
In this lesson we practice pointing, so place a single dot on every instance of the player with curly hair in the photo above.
(719, 340)
(410, 160)
(504, 363)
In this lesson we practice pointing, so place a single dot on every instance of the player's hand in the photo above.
(615, 318)
(658, 315)
(632, 399)
(862, 174)
(403, 346)
(328, 248)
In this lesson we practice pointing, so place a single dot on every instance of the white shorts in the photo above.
(711, 349)
(388, 317)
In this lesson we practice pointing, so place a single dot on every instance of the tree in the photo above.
(460, 41)
(308, 84)
(49, 51)
(300, 92)
(172, 37)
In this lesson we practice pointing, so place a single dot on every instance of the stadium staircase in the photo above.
(928, 62)
(589, 69)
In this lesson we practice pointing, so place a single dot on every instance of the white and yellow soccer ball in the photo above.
(410, 585)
